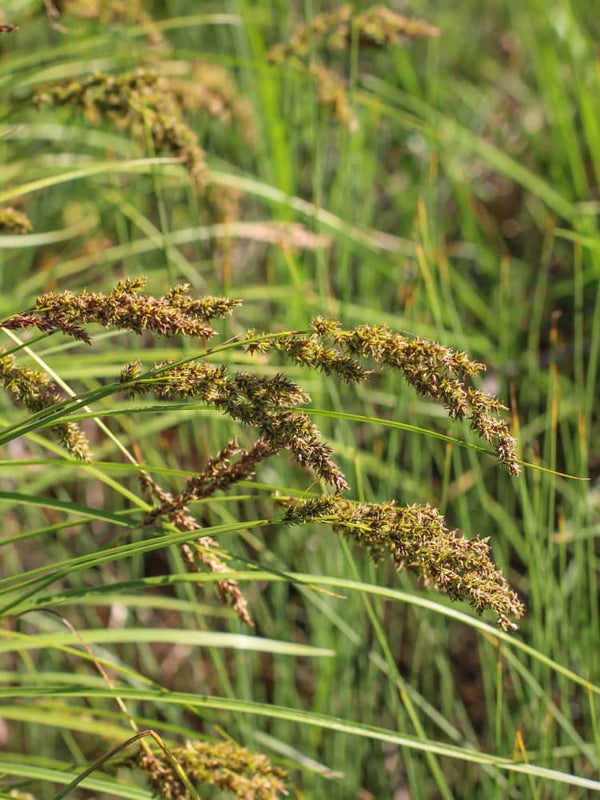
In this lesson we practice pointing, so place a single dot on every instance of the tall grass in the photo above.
(461, 207)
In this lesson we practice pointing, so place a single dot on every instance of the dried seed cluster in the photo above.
(204, 549)
(332, 94)
(434, 370)
(219, 474)
(150, 104)
(139, 101)
(115, 12)
(263, 403)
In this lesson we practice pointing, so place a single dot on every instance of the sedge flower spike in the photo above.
(270, 407)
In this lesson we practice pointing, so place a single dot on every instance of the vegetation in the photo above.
(251, 274)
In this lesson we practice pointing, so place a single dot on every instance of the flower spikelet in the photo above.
(160, 776)
(219, 474)
(115, 12)
(380, 25)
(417, 538)
(225, 765)
(36, 391)
(324, 27)
(332, 94)
(138, 100)
(333, 30)
(202, 550)
(310, 352)
(125, 307)
(434, 371)
(204, 308)
(13, 221)
(264, 403)
(62, 322)
(154, 107)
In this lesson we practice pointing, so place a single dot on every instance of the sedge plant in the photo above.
(167, 439)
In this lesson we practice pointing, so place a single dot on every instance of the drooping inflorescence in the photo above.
(155, 107)
(117, 13)
(13, 221)
(125, 307)
(224, 765)
(335, 31)
(264, 403)
(432, 369)
(36, 391)
(417, 538)
(270, 406)
(204, 549)
(140, 101)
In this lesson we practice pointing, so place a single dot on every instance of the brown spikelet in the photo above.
(125, 307)
(140, 101)
(203, 550)
(36, 391)
(264, 403)
(332, 94)
(154, 107)
(224, 765)
(117, 13)
(417, 538)
(333, 30)
(13, 221)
